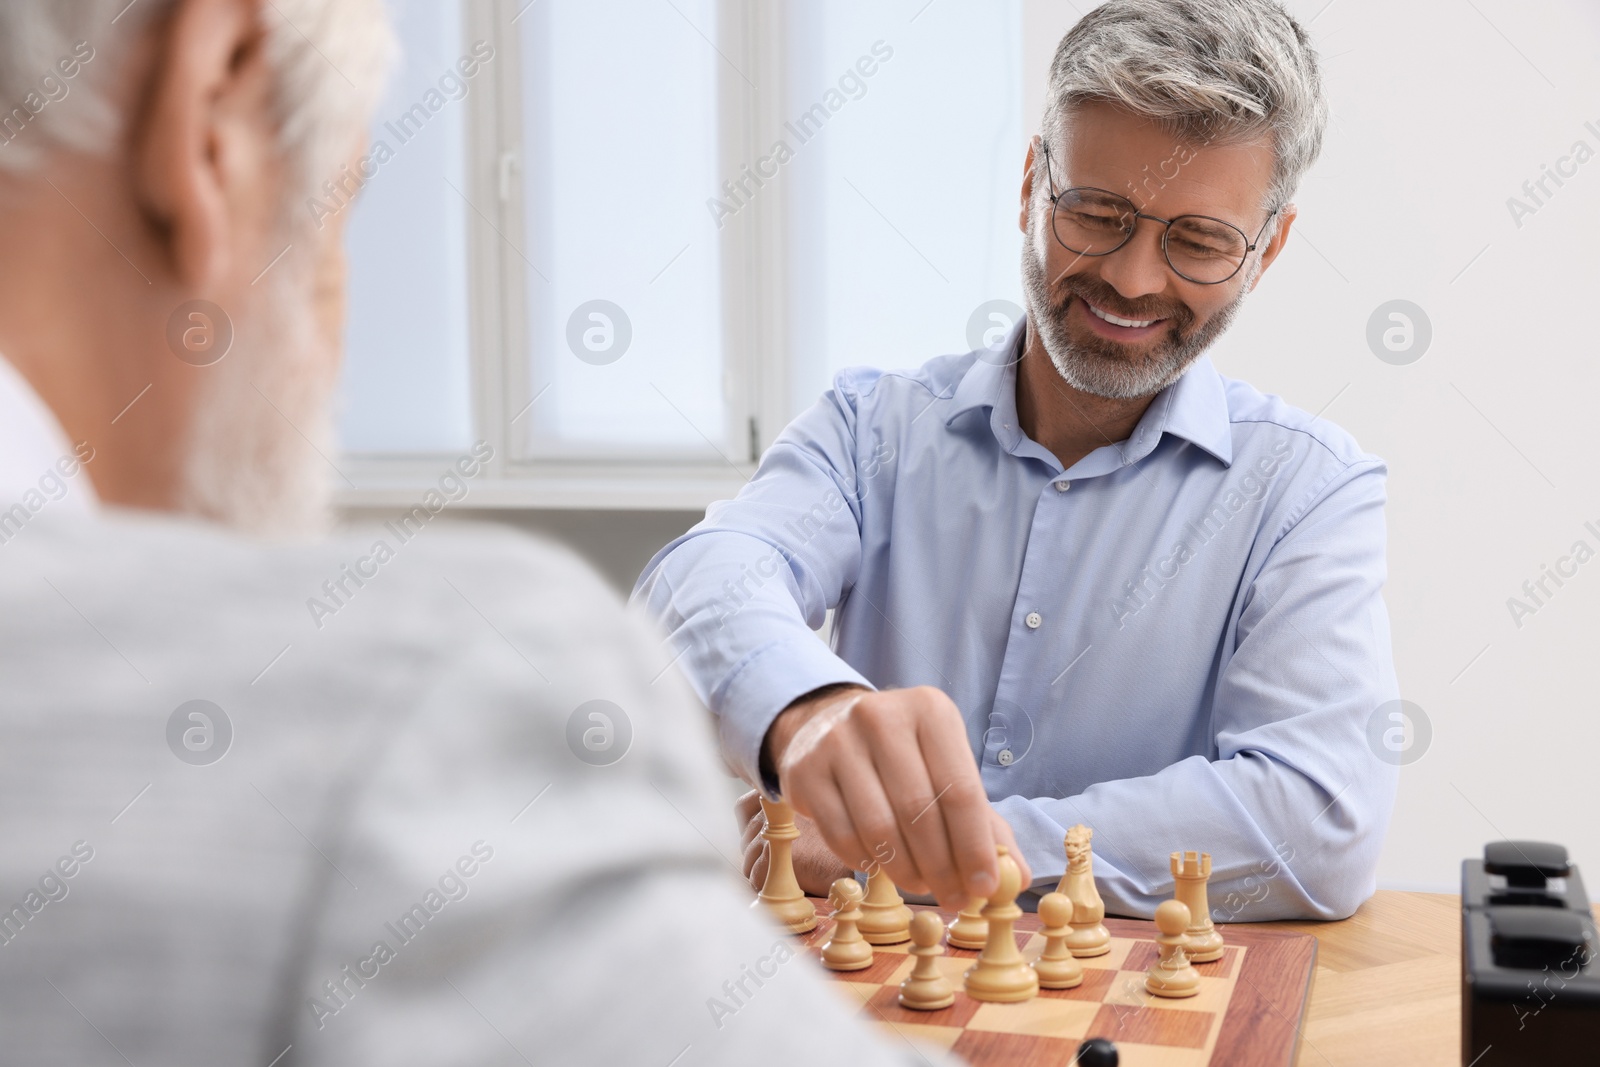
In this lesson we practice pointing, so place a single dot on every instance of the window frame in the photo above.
(755, 358)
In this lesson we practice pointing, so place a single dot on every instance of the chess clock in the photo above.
(1530, 977)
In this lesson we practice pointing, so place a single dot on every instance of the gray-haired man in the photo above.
(453, 823)
(1080, 576)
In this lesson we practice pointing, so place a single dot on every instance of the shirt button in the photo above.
(1063, 485)
(1005, 757)
(1034, 620)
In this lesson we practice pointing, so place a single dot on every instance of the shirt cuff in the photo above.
(768, 682)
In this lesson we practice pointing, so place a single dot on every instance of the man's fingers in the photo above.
(966, 814)
(835, 786)
(963, 804)
(856, 821)
(878, 831)
(752, 852)
(829, 815)
(894, 784)
(1006, 836)
(749, 828)
(757, 874)
(747, 808)
(918, 818)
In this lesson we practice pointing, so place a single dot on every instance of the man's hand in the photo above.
(889, 779)
(815, 867)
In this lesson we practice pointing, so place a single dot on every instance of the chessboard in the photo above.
(1247, 1014)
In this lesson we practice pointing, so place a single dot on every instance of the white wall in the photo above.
(1440, 113)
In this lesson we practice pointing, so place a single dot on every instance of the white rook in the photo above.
(1191, 870)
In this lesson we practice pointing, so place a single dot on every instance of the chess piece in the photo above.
(1001, 974)
(1203, 943)
(1096, 1052)
(885, 919)
(1056, 966)
(1089, 936)
(846, 950)
(967, 929)
(927, 989)
(1171, 975)
(780, 891)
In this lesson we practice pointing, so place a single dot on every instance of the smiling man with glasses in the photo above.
(1078, 577)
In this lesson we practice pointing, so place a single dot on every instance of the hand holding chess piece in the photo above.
(1171, 976)
(1056, 966)
(1190, 870)
(927, 989)
(1001, 974)
(846, 950)
(780, 892)
(1089, 936)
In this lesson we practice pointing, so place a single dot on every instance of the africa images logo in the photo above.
(599, 733)
(1399, 732)
(199, 732)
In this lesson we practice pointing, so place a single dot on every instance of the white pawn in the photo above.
(885, 919)
(969, 929)
(927, 989)
(1056, 966)
(1172, 976)
(846, 950)
(1001, 975)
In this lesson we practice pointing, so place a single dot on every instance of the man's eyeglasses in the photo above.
(1096, 222)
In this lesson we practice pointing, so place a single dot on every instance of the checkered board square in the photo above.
(1247, 1013)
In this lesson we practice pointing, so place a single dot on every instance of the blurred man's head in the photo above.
(1205, 111)
(155, 154)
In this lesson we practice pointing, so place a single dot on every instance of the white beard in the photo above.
(1102, 369)
(263, 421)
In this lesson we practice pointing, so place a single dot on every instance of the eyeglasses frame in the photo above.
(1055, 197)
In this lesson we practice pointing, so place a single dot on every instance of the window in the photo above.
(648, 233)
(902, 211)
(406, 374)
(619, 144)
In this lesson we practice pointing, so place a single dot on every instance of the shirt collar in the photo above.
(1195, 407)
(31, 445)
(992, 368)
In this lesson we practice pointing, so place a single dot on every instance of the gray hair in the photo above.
(1216, 70)
(60, 61)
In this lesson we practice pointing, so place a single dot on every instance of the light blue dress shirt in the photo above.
(1180, 641)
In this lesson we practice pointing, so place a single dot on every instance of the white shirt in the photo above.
(225, 881)
(32, 443)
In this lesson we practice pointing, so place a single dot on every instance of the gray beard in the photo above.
(264, 419)
(1104, 368)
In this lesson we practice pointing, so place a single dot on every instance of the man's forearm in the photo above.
(1282, 845)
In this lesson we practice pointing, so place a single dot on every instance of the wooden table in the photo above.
(1388, 984)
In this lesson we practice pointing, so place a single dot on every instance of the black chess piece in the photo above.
(1096, 1052)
